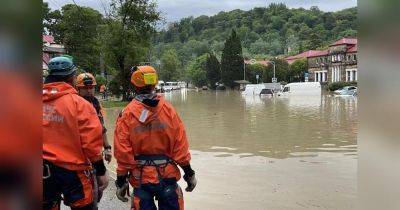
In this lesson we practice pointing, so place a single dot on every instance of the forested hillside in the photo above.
(264, 32)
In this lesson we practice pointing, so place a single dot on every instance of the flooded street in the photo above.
(267, 153)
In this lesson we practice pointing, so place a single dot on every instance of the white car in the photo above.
(348, 90)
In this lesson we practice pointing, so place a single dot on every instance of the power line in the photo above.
(79, 11)
(104, 8)
(55, 3)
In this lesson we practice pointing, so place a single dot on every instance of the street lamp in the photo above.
(274, 80)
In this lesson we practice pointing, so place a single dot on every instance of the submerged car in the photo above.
(267, 92)
(348, 90)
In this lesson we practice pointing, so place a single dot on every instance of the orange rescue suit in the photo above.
(145, 130)
(72, 133)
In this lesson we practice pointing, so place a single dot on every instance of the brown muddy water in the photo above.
(267, 153)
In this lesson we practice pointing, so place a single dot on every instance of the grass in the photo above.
(112, 104)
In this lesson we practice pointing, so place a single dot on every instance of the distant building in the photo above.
(50, 49)
(253, 61)
(303, 55)
(337, 64)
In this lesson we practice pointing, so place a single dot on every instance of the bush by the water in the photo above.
(337, 85)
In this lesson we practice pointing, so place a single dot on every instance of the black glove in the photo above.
(190, 178)
(122, 188)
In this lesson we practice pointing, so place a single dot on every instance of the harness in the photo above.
(160, 162)
(50, 174)
(49, 168)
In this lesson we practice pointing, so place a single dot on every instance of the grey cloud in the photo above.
(173, 10)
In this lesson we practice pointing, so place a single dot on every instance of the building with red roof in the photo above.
(336, 64)
(345, 41)
(303, 55)
(253, 61)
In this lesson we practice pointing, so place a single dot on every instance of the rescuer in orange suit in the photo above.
(149, 143)
(72, 143)
(85, 84)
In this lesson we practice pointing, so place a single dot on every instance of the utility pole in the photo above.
(274, 80)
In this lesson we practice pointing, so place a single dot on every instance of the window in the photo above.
(355, 57)
(266, 91)
(351, 75)
(335, 74)
(348, 76)
(286, 89)
(320, 76)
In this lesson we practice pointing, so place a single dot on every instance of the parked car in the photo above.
(169, 86)
(220, 87)
(267, 92)
(160, 86)
(348, 90)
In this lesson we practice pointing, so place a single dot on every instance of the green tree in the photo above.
(259, 47)
(285, 31)
(232, 60)
(281, 71)
(253, 70)
(169, 66)
(213, 70)
(130, 28)
(76, 28)
(297, 70)
(196, 71)
(46, 19)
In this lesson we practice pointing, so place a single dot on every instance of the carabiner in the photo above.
(48, 174)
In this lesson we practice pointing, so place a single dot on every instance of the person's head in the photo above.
(144, 79)
(85, 83)
(61, 69)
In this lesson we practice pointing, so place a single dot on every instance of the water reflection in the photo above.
(227, 123)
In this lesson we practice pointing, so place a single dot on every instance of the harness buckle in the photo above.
(87, 173)
(47, 173)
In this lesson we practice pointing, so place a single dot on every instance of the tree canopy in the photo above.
(264, 32)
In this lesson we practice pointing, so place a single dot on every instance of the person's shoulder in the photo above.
(83, 103)
(168, 109)
(127, 110)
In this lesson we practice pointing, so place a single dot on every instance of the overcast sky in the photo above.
(173, 10)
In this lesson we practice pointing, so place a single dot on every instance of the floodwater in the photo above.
(267, 153)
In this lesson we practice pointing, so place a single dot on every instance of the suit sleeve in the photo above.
(123, 151)
(181, 154)
(90, 131)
